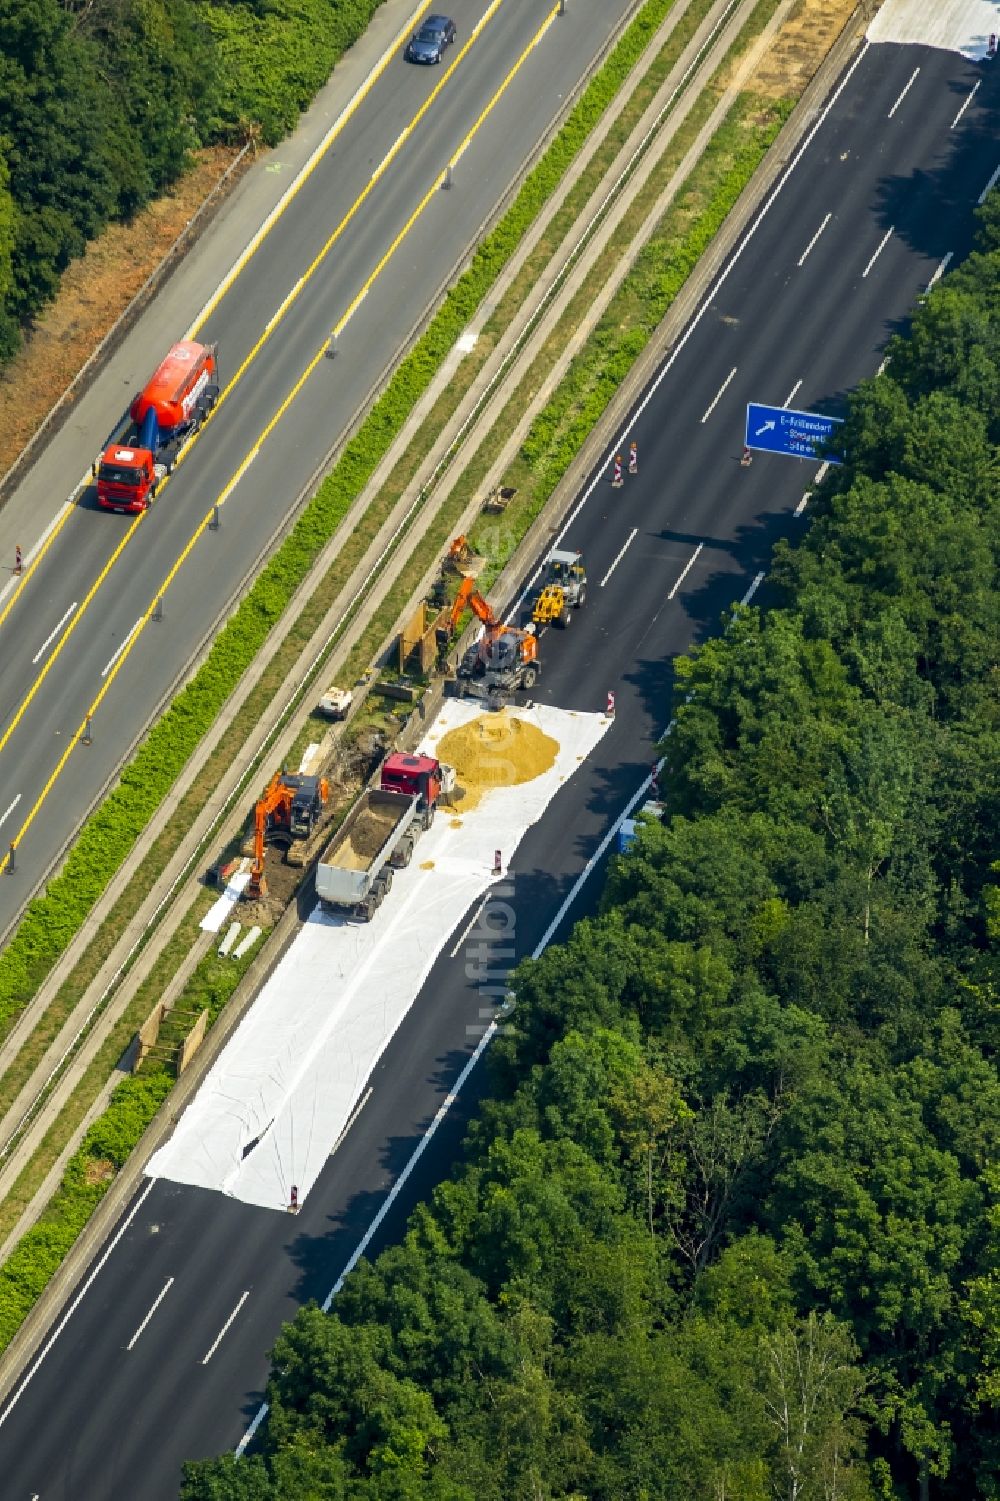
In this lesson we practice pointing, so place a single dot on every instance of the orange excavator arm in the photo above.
(482, 611)
(276, 796)
(468, 597)
(468, 587)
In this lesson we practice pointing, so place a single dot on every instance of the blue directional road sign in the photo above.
(798, 434)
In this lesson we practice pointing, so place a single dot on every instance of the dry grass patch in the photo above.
(799, 48)
(95, 291)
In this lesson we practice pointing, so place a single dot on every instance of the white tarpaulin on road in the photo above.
(278, 1098)
(953, 25)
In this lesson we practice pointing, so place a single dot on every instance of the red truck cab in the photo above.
(417, 776)
(126, 478)
(173, 403)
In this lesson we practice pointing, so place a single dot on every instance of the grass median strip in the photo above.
(727, 165)
(51, 921)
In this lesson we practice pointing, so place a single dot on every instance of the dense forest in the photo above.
(728, 1228)
(102, 101)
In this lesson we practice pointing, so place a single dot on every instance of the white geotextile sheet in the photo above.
(220, 910)
(953, 25)
(277, 1100)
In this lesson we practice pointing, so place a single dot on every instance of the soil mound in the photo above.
(495, 750)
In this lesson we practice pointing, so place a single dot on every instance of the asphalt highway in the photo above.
(370, 238)
(164, 1357)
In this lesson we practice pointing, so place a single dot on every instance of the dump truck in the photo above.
(564, 589)
(172, 405)
(377, 837)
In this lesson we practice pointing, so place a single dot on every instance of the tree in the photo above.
(812, 1386)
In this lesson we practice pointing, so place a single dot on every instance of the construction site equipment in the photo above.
(335, 703)
(564, 589)
(499, 499)
(458, 553)
(377, 837)
(503, 660)
(287, 813)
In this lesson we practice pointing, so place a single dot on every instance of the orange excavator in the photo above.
(503, 660)
(287, 812)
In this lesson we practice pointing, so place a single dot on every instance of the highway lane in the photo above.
(158, 1402)
(80, 658)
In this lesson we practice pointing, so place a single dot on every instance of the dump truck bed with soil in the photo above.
(355, 870)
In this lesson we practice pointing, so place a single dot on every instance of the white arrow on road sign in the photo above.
(765, 429)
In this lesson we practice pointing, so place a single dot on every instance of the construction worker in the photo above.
(633, 457)
(617, 481)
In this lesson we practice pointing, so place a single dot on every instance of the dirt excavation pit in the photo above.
(495, 750)
(362, 844)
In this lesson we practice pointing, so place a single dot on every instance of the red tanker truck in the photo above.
(171, 406)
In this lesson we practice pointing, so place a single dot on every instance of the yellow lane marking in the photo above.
(47, 541)
(360, 201)
(266, 432)
(346, 114)
(436, 184)
(67, 633)
(272, 323)
(249, 251)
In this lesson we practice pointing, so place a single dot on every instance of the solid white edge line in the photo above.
(686, 569)
(938, 273)
(975, 89)
(301, 177)
(5, 1414)
(718, 395)
(578, 884)
(52, 634)
(989, 186)
(758, 580)
(121, 648)
(633, 803)
(707, 301)
(155, 1305)
(791, 395)
(631, 538)
(32, 552)
(472, 923)
(802, 258)
(881, 246)
(906, 90)
(4, 817)
(219, 1337)
(353, 1117)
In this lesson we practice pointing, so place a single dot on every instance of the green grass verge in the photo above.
(104, 1150)
(554, 439)
(52, 921)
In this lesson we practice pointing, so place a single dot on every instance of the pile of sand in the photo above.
(495, 750)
